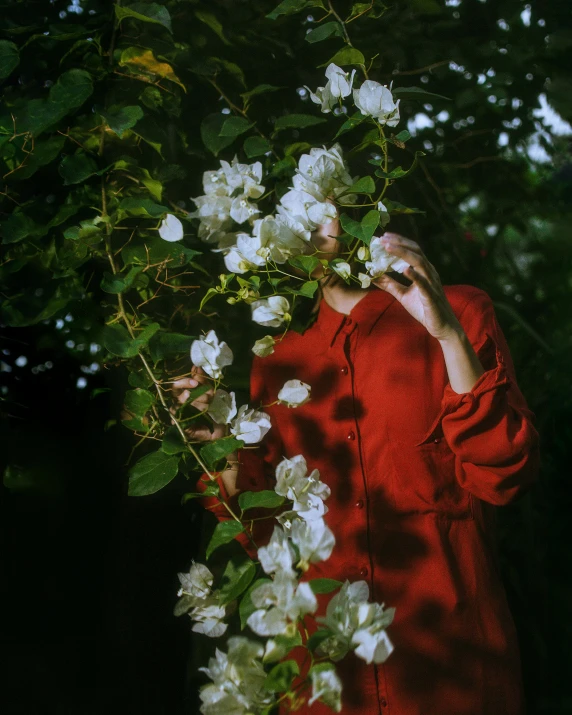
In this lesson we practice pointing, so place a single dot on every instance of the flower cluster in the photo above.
(228, 198)
(238, 680)
(356, 624)
(200, 602)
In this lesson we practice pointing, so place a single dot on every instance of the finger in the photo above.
(415, 259)
(389, 284)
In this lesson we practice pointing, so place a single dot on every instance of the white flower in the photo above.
(315, 541)
(363, 253)
(222, 407)
(302, 207)
(272, 311)
(294, 393)
(376, 100)
(238, 680)
(339, 85)
(212, 356)
(250, 425)
(171, 229)
(283, 236)
(384, 217)
(279, 604)
(364, 279)
(327, 687)
(197, 583)
(382, 261)
(208, 618)
(264, 346)
(278, 554)
(341, 618)
(342, 268)
(245, 178)
(306, 492)
(373, 647)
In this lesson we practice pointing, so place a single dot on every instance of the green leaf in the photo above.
(296, 148)
(363, 230)
(365, 185)
(322, 32)
(119, 282)
(151, 473)
(346, 56)
(211, 490)
(76, 168)
(213, 22)
(234, 126)
(318, 637)
(297, 121)
(280, 678)
(284, 168)
(173, 442)
(306, 263)
(354, 121)
(282, 646)
(403, 136)
(210, 133)
(9, 58)
(266, 498)
(394, 207)
(416, 93)
(399, 172)
(256, 146)
(324, 585)
(225, 532)
(236, 578)
(164, 344)
(140, 206)
(259, 89)
(246, 607)
(138, 401)
(289, 7)
(307, 289)
(117, 340)
(43, 153)
(122, 118)
(213, 451)
(17, 227)
(147, 12)
(207, 296)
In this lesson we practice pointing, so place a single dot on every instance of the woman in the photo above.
(418, 426)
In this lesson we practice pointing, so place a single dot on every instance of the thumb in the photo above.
(391, 286)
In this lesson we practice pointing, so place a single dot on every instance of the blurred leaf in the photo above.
(43, 153)
(260, 89)
(118, 341)
(164, 344)
(288, 7)
(147, 12)
(119, 282)
(234, 126)
(297, 121)
(236, 578)
(225, 532)
(213, 22)
(416, 93)
(210, 133)
(365, 185)
(9, 58)
(318, 637)
(266, 498)
(119, 119)
(324, 585)
(399, 172)
(152, 473)
(322, 32)
(140, 206)
(145, 60)
(306, 263)
(213, 451)
(17, 227)
(138, 401)
(76, 168)
(280, 678)
(354, 121)
(256, 146)
(173, 442)
(346, 56)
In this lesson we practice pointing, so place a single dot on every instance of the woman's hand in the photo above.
(424, 298)
(181, 392)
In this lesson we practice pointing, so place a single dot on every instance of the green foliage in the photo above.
(266, 498)
(151, 473)
(236, 578)
(225, 532)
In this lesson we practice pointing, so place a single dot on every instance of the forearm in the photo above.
(463, 365)
(229, 477)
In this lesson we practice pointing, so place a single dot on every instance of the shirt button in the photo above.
(383, 703)
(363, 572)
(437, 439)
(351, 435)
(359, 503)
(344, 370)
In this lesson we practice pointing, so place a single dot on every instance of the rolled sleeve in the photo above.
(490, 429)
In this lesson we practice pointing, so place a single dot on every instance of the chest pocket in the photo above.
(423, 480)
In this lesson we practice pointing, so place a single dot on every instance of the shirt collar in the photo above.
(365, 314)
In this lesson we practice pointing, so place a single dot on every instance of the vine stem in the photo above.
(342, 23)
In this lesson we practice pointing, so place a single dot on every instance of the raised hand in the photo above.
(424, 299)
(181, 392)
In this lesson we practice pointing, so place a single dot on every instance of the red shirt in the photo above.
(415, 471)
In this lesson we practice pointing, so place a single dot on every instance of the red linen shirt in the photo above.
(415, 471)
